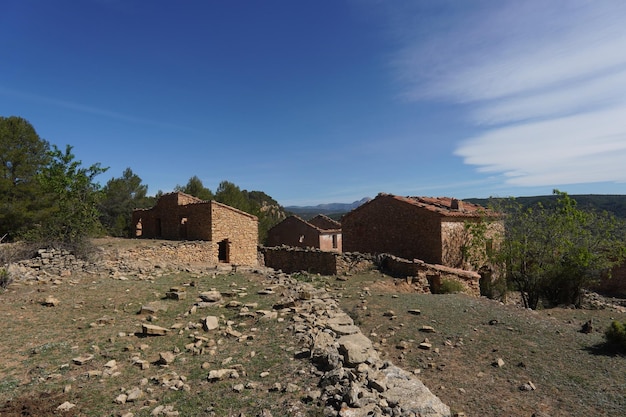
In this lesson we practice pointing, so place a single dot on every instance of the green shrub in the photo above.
(5, 278)
(450, 286)
(616, 335)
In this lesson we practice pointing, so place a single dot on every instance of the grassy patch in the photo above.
(99, 315)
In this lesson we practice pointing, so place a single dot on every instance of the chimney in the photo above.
(456, 204)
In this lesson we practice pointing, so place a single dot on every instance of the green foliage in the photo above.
(119, 197)
(72, 197)
(257, 203)
(616, 335)
(231, 195)
(450, 286)
(5, 278)
(195, 188)
(22, 155)
(554, 252)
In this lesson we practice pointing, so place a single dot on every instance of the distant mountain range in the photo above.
(332, 210)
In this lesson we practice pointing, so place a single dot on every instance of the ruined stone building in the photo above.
(320, 232)
(431, 229)
(232, 233)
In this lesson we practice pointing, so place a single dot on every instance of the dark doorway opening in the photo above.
(223, 251)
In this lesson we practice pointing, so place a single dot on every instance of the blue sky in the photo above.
(328, 100)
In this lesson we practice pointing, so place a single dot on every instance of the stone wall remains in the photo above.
(423, 276)
(431, 275)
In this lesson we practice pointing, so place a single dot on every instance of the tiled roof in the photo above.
(446, 206)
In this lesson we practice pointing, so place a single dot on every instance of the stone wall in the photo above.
(237, 229)
(177, 216)
(431, 275)
(290, 259)
(293, 231)
(387, 225)
(423, 276)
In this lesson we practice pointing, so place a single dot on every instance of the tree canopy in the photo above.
(22, 155)
(195, 188)
(552, 253)
(72, 195)
(119, 197)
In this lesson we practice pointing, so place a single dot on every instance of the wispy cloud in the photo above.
(83, 108)
(545, 81)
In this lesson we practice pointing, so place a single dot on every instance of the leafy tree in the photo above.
(555, 252)
(22, 155)
(119, 197)
(195, 188)
(230, 194)
(72, 197)
(267, 210)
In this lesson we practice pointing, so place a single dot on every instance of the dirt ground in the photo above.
(549, 367)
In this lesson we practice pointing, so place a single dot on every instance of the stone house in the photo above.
(431, 229)
(320, 232)
(178, 216)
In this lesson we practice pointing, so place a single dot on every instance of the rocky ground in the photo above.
(138, 331)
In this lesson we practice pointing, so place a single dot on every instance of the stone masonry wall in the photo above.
(387, 225)
(291, 259)
(294, 231)
(240, 229)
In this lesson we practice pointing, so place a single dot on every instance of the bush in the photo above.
(450, 286)
(616, 335)
(5, 278)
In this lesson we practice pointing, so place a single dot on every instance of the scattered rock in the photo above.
(220, 374)
(528, 386)
(121, 399)
(66, 406)
(498, 363)
(210, 323)
(176, 293)
(134, 394)
(81, 360)
(165, 358)
(152, 330)
(211, 296)
(50, 301)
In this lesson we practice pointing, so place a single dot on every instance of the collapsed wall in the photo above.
(425, 277)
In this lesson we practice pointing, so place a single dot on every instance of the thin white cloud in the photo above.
(547, 80)
(582, 148)
(86, 109)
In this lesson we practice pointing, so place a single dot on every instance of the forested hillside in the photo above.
(615, 204)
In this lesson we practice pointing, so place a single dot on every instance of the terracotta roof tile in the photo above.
(446, 206)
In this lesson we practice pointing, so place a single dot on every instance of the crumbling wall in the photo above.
(423, 276)
(431, 274)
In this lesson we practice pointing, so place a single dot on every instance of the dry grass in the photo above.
(40, 342)
(572, 374)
